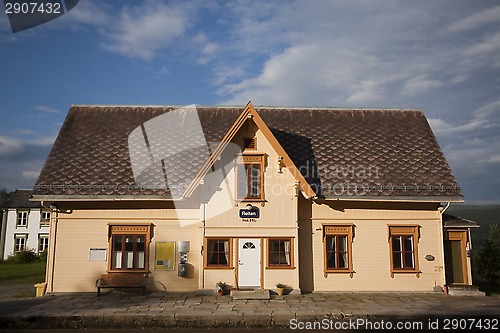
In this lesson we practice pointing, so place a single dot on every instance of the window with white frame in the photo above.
(44, 217)
(22, 219)
(20, 242)
(43, 243)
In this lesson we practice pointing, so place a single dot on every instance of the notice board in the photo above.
(165, 256)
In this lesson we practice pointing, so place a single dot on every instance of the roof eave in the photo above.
(101, 198)
(397, 198)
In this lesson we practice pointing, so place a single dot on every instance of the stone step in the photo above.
(466, 290)
(251, 294)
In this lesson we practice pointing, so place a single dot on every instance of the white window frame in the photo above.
(22, 215)
(18, 237)
(46, 245)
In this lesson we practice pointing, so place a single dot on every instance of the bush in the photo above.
(488, 263)
(24, 257)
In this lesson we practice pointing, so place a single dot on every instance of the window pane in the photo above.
(129, 259)
(218, 252)
(408, 243)
(279, 252)
(139, 260)
(397, 260)
(396, 243)
(331, 257)
(254, 180)
(342, 243)
(242, 181)
(117, 252)
(129, 245)
(343, 260)
(409, 260)
(140, 243)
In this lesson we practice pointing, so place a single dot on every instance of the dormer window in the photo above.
(250, 178)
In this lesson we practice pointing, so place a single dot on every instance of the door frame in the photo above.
(261, 270)
(459, 235)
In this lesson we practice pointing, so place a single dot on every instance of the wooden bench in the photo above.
(120, 280)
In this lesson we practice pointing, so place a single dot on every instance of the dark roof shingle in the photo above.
(21, 199)
(340, 152)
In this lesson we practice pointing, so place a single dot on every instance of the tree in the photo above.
(489, 256)
(4, 196)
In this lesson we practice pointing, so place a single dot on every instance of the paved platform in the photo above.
(117, 310)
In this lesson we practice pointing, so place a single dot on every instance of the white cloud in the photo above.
(420, 84)
(9, 146)
(490, 45)
(485, 117)
(142, 32)
(476, 20)
(46, 109)
(89, 12)
(30, 175)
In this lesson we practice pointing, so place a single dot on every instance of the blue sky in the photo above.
(439, 56)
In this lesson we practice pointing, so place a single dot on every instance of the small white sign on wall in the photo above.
(97, 254)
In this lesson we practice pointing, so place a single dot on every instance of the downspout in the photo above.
(295, 203)
(51, 257)
(202, 250)
(468, 250)
(4, 230)
(441, 231)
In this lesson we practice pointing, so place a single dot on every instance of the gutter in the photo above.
(97, 198)
(395, 198)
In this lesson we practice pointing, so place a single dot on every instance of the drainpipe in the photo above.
(202, 242)
(51, 256)
(4, 230)
(441, 231)
(202, 250)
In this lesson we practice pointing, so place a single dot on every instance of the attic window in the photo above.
(250, 144)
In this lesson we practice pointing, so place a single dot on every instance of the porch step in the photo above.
(465, 291)
(251, 294)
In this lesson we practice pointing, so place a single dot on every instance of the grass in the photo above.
(17, 280)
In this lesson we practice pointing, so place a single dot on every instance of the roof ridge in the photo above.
(266, 107)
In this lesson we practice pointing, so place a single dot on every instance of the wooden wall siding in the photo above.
(370, 249)
(280, 208)
(75, 236)
(73, 272)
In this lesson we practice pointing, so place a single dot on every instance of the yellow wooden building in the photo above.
(320, 199)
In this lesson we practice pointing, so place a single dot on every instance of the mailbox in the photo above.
(182, 270)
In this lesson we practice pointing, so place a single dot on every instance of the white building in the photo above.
(25, 225)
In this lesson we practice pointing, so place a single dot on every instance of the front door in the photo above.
(455, 259)
(248, 262)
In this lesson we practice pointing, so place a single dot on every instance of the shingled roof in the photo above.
(21, 199)
(342, 153)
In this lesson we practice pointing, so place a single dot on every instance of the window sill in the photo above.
(251, 200)
(406, 271)
(218, 267)
(280, 267)
(142, 271)
(340, 271)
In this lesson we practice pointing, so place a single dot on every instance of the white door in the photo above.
(248, 262)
